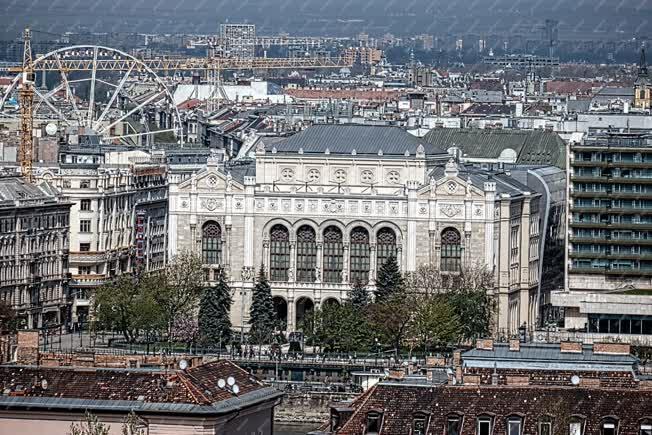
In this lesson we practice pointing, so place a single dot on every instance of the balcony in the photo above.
(613, 225)
(87, 257)
(89, 281)
(608, 271)
(611, 256)
(611, 241)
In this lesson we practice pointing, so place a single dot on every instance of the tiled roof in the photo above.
(533, 147)
(488, 109)
(16, 189)
(364, 139)
(548, 356)
(399, 403)
(477, 176)
(346, 94)
(195, 388)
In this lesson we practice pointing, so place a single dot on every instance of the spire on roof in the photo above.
(642, 64)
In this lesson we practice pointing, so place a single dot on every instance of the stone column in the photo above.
(373, 262)
(320, 261)
(399, 257)
(292, 309)
(293, 261)
(503, 263)
(411, 238)
(265, 260)
(524, 260)
(227, 248)
(345, 264)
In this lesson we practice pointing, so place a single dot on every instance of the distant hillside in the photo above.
(333, 17)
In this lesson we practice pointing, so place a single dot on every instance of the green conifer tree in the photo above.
(214, 308)
(359, 296)
(389, 280)
(261, 312)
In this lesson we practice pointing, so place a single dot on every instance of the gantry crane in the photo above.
(212, 64)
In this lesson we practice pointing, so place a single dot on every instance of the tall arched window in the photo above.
(451, 250)
(333, 254)
(306, 254)
(279, 253)
(211, 243)
(359, 255)
(385, 246)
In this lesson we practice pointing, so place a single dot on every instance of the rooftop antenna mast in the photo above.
(26, 95)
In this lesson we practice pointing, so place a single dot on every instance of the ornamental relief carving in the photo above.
(451, 210)
(333, 206)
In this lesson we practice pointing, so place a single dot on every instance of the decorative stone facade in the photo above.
(34, 251)
(316, 220)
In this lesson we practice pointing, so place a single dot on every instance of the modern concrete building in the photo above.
(609, 289)
(34, 225)
(330, 204)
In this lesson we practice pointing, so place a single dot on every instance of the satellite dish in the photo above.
(51, 129)
(575, 380)
(236, 389)
(221, 383)
(183, 364)
(231, 381)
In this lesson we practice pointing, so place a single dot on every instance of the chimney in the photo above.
(485, 344)
(27, 348)
(570, 347)
(514, 345)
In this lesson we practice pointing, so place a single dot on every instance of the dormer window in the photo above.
(545, 426)
(576, 426)
(514, 425)
(609, 426)
(374, 422)
(335, 420)
(419, 423)
(454, 425)
(485, 426)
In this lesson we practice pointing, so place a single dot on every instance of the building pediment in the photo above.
(211, 180)
(455, 187)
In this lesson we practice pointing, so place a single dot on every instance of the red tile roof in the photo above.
(196, 386)
(346, 94)
(399, 403)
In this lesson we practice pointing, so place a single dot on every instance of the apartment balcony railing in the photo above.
(612, 256)
(90, 280)
(607, 270)
(613, 225)
(610, 241)
(87, 257)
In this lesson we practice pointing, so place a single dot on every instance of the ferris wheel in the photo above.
(100, 91)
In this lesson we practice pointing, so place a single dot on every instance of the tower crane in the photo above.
(213, 64)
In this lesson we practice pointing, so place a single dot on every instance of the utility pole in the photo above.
(26, 102)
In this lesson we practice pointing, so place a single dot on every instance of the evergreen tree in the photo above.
(214, 309)
(359, 296)
(389, 280)
(261, 314)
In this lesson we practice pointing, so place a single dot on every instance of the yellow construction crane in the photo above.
(70, 59)
(26, 94)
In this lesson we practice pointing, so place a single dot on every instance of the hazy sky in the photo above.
(318, 17)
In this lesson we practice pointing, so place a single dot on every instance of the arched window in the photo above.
(279, 253)
(385, 246)
(211, 243)
(306, 254)
(451, 250)
(359, 255)
(333, 254)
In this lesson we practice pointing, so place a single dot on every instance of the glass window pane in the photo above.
(279, 253)
(333, 255)
(453, 427)
(451, 250)
(575, 428)
(514, 427)
(306, 254)
(359, 255)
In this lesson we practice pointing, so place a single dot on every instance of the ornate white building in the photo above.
(329, 205)
(34, 224)
(118, 218)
